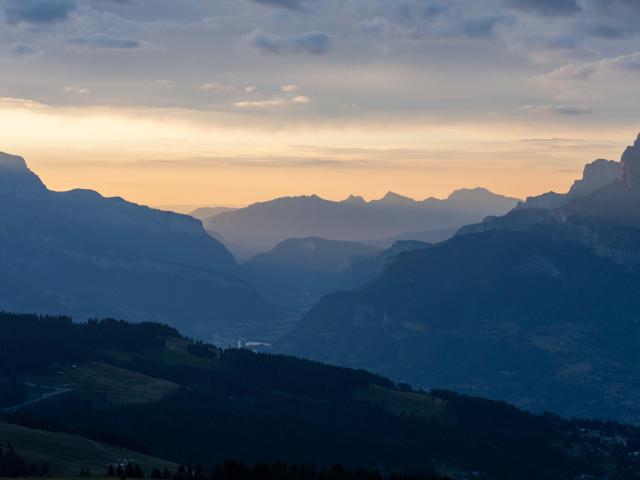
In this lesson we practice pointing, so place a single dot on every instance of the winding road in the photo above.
(54, 392)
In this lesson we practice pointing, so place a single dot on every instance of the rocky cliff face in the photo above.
(631, 166)
(595, 176)
(603, 217)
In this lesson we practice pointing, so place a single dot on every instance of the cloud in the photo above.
(290, 88)
(273, 103)
(164, 83)
(548, 8)
(573, 71)
(104, 42)
(22, 50)
(77, 90)
(295, 5)
(482, 27)
(301, 99)
(20, 102)
(38, 12)
(314, 43)
(426, 20)
(629, 63)
(572, 110)
(262, 104)
(612, 19)
(216, 87)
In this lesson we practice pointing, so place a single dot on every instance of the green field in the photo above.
(402, 403)
(68, 454)
(114, 385)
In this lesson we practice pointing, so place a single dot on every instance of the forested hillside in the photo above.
(192, 403)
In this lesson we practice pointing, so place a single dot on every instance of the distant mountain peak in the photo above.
(631, 166)
(16, 180)
(393, 198)
(356, 199)
(465, 193)
(12, 162)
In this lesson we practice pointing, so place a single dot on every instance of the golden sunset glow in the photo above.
(178, 156)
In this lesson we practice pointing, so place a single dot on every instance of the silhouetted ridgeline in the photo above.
(261, 226)
(96, 257)
(194, 404)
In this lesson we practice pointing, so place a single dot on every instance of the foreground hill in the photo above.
(539, 307)
(78, 253)
(261, 226)
(235, 404)
(67, 455)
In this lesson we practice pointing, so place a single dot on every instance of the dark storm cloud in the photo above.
(38, 12)
(547, 7)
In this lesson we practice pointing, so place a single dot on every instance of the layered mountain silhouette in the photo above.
(296, 273)
(207, 213)
(80, 254)
(261, 226)
(539, 307)
(362, 270)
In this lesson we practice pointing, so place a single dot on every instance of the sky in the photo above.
(227, 102)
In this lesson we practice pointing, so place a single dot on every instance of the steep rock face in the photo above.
(631, 166)
(596, 175)
(607, 220)
(80, 254)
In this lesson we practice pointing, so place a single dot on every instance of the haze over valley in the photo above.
(319, 239)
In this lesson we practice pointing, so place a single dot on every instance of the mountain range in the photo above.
(259, 227)
(538, 307)
(80, 254)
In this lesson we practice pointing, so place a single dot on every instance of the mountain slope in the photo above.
(296, 273)
(538, 307)
(205, 213)
(67, 455)
(263, 225)
(315, 254)
(80, 254)
(234, 404)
